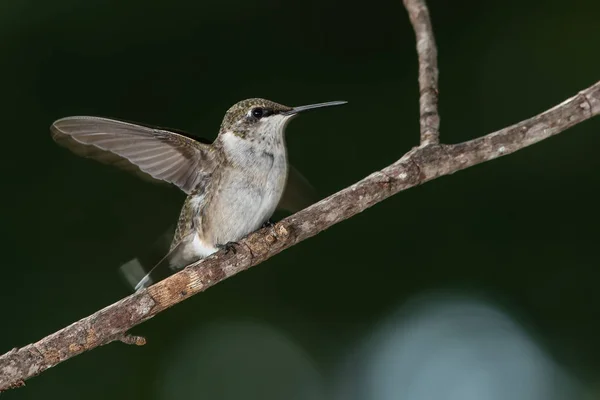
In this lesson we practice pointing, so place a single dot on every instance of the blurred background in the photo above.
(481, 285)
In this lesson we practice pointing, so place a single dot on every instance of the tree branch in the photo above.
(424, 163)
(428, 70)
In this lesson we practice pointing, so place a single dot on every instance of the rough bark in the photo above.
(428, 71)
(428, 161)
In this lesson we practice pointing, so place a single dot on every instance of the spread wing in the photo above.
(151, 153)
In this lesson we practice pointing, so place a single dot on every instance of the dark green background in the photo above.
(522, 230)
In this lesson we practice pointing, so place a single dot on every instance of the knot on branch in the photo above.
(263, 242)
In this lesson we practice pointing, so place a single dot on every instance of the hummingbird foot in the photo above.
(229, 246)
(268, 224)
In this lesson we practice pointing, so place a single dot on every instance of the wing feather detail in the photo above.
(151, 153)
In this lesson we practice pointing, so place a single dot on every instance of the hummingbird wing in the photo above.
(298, 193)
(153, 154)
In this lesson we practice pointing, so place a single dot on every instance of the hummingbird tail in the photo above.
(139, 271)
(139, 277)
(133, 271)
(159, 272)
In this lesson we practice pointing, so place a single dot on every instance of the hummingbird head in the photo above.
(262, 120)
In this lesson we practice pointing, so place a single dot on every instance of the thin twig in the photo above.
(131, 339)
(424, 163)
(428, 71)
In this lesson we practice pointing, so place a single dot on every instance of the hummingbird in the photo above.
(233, 185)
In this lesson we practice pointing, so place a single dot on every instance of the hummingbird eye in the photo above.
(257, 112)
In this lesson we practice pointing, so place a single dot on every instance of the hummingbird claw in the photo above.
(268, 224)
(229, 246)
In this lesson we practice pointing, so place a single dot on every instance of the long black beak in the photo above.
(300, 109)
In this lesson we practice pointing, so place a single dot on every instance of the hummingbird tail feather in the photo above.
(135, 271)
(152, 275)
